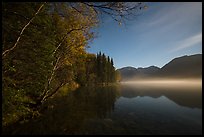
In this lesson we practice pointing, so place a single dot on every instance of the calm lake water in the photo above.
(124, 109)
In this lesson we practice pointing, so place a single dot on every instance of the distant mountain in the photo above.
(128, 73)
(181, 67)
(149, 70)
(185, 66)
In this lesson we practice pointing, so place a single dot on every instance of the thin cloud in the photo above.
(189, 42)
(175, 12)
(163, 18)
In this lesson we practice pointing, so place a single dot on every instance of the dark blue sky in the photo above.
(163, 31)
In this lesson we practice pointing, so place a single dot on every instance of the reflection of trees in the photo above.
(99, 101)
(71, 112)
(189, 97)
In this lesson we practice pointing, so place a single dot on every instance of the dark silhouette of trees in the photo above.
(98, 69)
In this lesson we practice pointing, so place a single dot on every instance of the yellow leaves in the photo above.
(75, 42)
(68, 62)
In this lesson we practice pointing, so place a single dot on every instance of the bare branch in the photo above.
(117, 10)
(12, 48)
(46, 90)
(65, 38)
(54, 92)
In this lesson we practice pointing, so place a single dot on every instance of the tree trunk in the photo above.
(19, 37)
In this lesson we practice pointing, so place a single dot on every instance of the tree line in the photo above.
(97, 69)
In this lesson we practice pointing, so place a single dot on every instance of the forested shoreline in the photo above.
(101, 68)
(44, 48)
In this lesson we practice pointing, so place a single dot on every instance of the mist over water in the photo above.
(165, 83)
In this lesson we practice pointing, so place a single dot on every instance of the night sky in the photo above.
(160, 33)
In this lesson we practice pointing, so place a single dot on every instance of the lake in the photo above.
(129, 108)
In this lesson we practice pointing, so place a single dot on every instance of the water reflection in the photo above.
(124, 109)
(185, 96)
(159, 109)
(68, 114)
(147, 115)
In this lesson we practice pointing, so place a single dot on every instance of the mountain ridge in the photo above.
(180, 67)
